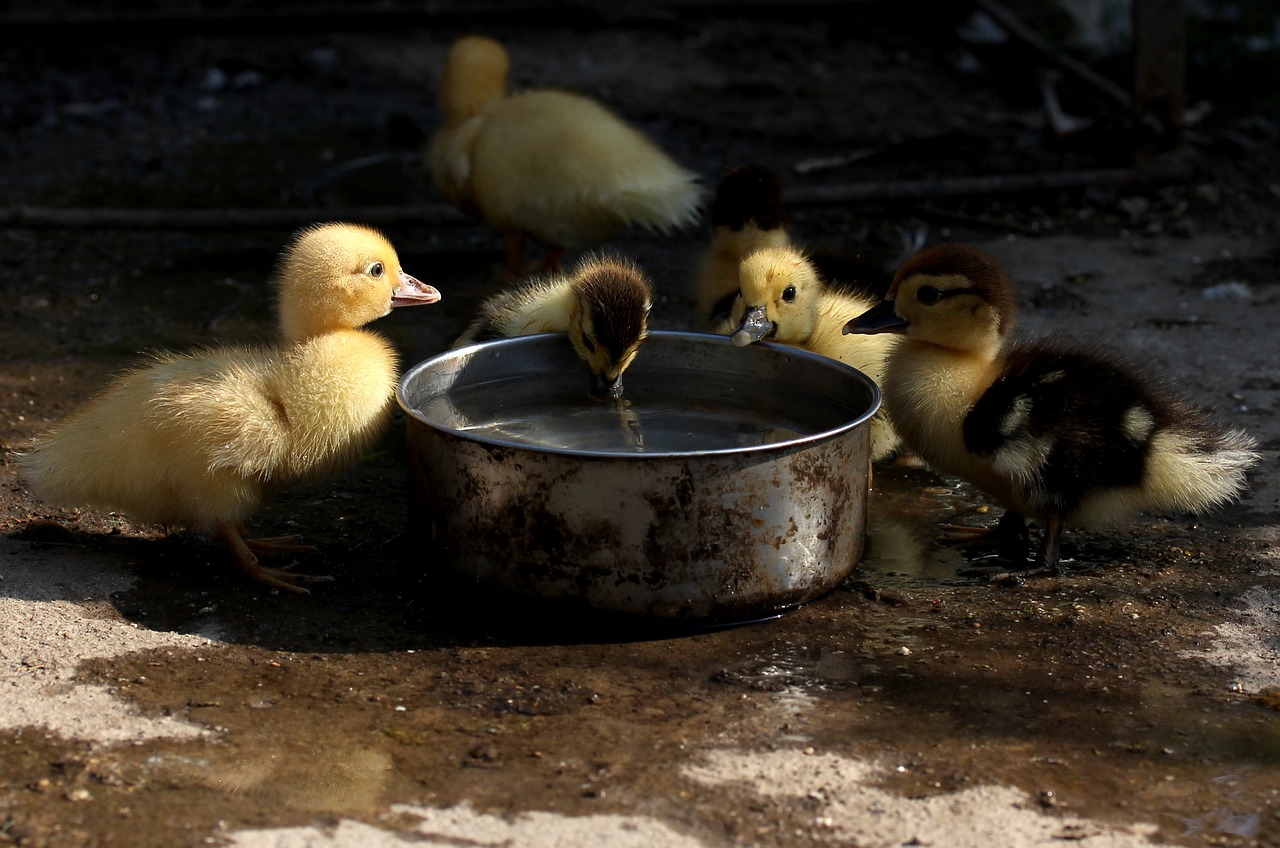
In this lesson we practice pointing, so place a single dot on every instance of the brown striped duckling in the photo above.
(203, 439)
(1054, 430)
(781, 298)
(602, 304)
(552, 165)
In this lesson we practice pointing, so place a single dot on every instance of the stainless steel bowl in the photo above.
(729, 533)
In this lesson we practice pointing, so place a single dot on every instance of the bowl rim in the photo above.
(771, 447)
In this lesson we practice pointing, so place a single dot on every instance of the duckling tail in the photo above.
(1195, 472)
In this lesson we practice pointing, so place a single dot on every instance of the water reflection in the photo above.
(297, 774)
(906, 510)
(633, 432)
(663, 414)
(1223, 820)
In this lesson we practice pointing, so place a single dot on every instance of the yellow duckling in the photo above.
(782, 299)
(202, 439)
(603, 305)
(549, 164)
(1053, 429)
(748, 213)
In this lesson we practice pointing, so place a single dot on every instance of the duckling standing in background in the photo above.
(202, 439)
(748, 213)
(553, 165)
(603, 305)
(782, 299)
(1053, 430)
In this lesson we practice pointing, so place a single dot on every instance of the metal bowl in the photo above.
(744, 522)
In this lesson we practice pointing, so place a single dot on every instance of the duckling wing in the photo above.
(535, 304)
(223, 408)
(1060, 422)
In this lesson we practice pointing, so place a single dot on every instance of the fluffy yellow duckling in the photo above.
(603, 305)
(782, 299)
(202, 439)
(1053, 429)
(549, 164)
(748, 213)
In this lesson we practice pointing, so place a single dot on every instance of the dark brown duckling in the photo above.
(602, 304)
(1056, 430)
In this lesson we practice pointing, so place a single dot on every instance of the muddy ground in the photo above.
(153, 697)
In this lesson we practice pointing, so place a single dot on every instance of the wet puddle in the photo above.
(347, 703)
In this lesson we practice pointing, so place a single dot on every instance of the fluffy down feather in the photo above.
(202, 439)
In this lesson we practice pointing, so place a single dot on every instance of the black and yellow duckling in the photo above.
(1054, 430)
(602, 304)
(548, 164)
(781, 298)
(748, 213)
(202, 439)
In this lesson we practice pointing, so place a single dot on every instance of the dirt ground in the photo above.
(155, 698)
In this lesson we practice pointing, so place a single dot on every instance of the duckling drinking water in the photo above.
(552, 165)
(1055, 430)
(782, 299)
(203, 439)
(602, 304)
(748, 213)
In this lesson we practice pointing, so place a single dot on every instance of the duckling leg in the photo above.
(1008, 537)
(1049, 553)
(1046, 557)
(553, 259)
(278, 578)
(514, 241)
(279, 545)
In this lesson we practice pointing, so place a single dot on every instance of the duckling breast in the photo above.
(335, 396)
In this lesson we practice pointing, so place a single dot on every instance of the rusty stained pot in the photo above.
(699, 536)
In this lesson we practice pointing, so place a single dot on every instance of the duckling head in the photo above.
(746, 194)
(609, 319)
(952, 295)
(475, 72)
(778, 297)
(341, 276)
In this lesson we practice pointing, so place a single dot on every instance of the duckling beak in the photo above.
(602, 388)
(413, 292)
(880, 318)
(755, 325)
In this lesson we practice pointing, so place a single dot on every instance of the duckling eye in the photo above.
(789, 294)
(588, 344)
(376, 270)
(928, 295)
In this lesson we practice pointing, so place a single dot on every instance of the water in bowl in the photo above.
(660, 412)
